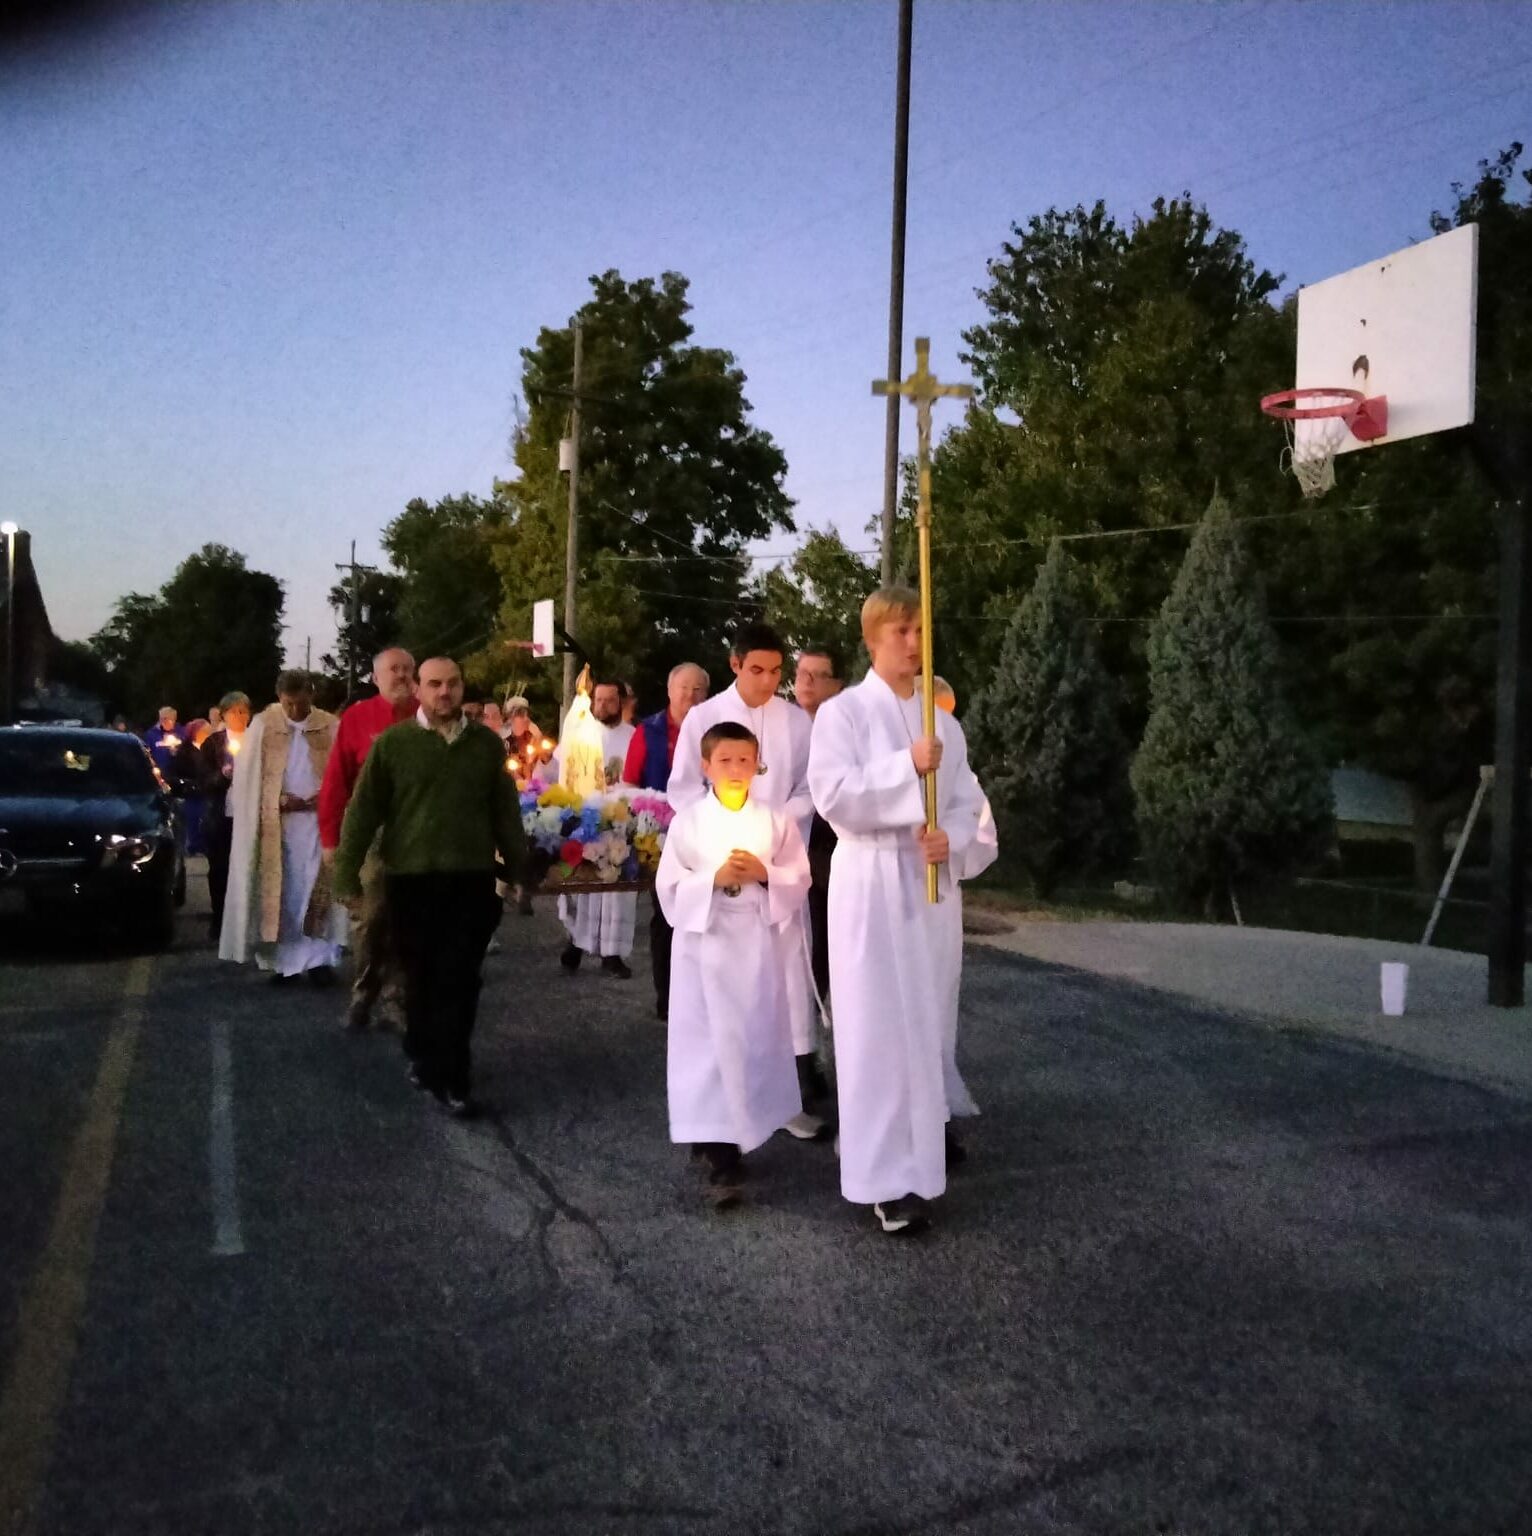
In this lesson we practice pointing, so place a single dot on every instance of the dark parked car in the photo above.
(88, 825)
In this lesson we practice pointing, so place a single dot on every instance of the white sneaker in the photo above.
(805, 1127)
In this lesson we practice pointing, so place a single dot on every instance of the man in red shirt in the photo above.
(651, 754)
(377, 974)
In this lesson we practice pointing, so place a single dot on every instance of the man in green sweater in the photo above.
(437, 787)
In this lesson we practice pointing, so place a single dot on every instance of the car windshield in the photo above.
(80, 766)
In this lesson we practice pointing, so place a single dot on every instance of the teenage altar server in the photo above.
(782, 729)
(895, 960)
(733, 875)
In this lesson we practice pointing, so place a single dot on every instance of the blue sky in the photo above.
(265, 268)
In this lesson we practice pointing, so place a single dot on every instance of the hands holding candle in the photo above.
(738, 870)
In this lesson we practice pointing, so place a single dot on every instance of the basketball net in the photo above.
(1311, 455)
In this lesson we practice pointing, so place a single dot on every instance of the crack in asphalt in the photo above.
(1048, 1479)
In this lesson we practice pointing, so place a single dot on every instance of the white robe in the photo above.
(295, 951)
(604, 925)
(895, 961)
(730, 1072)
(783, 731)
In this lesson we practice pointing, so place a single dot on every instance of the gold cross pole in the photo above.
(920, 389)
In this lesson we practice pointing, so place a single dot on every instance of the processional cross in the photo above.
(920, 389)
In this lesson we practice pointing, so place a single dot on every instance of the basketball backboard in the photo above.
(1401, 329)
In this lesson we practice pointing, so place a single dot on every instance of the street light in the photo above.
(10, 530)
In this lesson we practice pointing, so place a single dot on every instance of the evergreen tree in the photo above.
(1229, 789)
(1044, 738)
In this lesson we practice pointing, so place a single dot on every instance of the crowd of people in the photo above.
(791, 891)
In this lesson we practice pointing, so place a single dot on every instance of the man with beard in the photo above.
(603, 925)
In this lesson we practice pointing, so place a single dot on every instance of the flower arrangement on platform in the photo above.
(593, 840)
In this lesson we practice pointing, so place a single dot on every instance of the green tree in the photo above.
(448, 594)
(378, 594)
(816, 598)
(675, 481)
(1229, 789)
(1044, 739)
(214, 626)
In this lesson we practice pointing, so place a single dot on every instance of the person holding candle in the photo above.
(163, 742)
(895, 958)
(377, 983)
(216, 758)
(756, 658)
(733, 876)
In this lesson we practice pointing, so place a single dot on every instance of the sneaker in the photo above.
(806, 1127)
(461, 1106)
(570, 958)
(359, 1016)
(615, 965)
(957, 1153)
(906, 1214)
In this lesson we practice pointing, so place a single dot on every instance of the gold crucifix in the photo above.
(920, 389)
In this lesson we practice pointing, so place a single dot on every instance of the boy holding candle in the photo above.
(733, 873)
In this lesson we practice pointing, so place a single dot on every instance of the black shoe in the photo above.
(461, 1107)
(615, 965)
(725, 1176)
(279, 980)
(909, 1213)
(956, 1152)
(812, 1086)
(322, 976)
(570, 959)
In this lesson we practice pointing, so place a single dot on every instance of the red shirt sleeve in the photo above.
(340, 776)
(633, 763)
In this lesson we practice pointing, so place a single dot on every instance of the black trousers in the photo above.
(218, 831)
(821, 848)
(442, 925)
(661, 936)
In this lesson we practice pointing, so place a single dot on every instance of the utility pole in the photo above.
(896, 286)
(572, 543)
(308, 653)
(353, 616)
(10, 530)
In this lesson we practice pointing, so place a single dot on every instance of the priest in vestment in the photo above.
(782, 729)
(279, 911)
(895, 959)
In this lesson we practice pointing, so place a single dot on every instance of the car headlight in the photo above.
(123, 848)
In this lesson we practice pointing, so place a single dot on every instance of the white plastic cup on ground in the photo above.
(1396, 981)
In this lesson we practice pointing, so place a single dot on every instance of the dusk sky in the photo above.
(265, 268)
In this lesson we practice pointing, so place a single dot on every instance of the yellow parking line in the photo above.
(48, 1323)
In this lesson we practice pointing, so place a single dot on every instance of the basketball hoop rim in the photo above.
(1285, 404)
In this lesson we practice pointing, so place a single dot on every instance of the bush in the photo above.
(1044, 738)
(1229, 790)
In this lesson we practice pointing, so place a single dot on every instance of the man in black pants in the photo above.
(819, 677)
(651, 755)
(437, 788)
